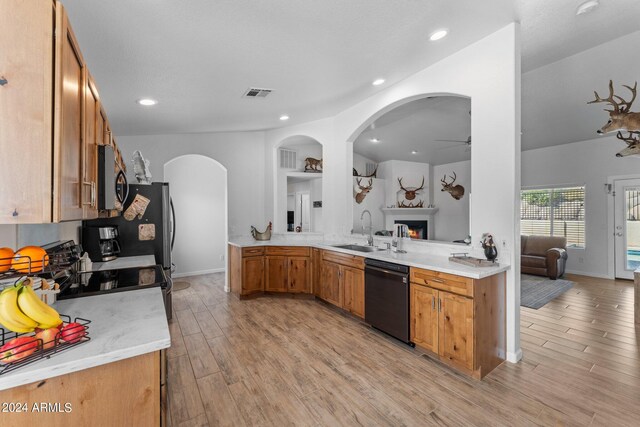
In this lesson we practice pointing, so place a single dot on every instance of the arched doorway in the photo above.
(298, 186)
(199, 192)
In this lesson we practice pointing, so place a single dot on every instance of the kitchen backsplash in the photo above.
(17, 236)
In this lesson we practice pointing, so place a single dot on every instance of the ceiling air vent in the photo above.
(254, 92)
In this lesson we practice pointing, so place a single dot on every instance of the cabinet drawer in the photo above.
(255, 251)
(288, 250)
(344, 259)
(443, 281)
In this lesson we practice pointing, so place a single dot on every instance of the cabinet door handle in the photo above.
(439, 305)
(433, 303)
(93, 194)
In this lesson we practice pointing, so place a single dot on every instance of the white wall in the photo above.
(360, 163)
(199, 191)
(241, 153)
(488, 72)
(452, 218)
(589, 163)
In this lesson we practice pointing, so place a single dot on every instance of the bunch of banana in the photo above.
(11, 317)
(21, 310)
(36, 309)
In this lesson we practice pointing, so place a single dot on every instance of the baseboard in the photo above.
(198, 273)
(588, 274)
(514, 357)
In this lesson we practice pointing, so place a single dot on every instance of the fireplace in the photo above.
(417, 229)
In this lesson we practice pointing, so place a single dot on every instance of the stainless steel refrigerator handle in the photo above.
(173, 223)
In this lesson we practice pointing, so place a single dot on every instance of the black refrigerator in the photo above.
(159, 216)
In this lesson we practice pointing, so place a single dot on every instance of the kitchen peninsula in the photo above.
(116, 378)
(456, 312)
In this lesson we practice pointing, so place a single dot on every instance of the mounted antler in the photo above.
(620, 117)
(633, 144)
(364, 190)
(456, 191)
(410, 194)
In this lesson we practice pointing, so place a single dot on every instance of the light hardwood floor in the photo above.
(276, 361)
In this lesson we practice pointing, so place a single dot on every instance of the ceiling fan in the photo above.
(467, 142)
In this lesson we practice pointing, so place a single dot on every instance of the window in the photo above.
(554, 212)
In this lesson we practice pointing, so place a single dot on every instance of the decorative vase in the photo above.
(491, 252)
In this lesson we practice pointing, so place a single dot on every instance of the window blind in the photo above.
(554, 212)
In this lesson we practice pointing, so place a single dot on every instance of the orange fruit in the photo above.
(5, 259)
(30, 259)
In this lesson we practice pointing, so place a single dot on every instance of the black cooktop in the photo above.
(102, 282)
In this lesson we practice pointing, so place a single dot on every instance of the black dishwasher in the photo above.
(386, 297)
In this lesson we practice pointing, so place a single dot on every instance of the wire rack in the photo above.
(22, 354)
(52, 264)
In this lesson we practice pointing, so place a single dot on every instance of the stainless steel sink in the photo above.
(358, 248)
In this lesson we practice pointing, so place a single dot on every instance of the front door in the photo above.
(627, 227)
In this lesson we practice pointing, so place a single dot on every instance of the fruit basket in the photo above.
(32, 260)
(20, 349)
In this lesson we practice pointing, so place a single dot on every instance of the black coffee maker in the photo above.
(101, 243)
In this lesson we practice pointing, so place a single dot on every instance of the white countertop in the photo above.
(123, 325)
(428, 261)
(125, 262)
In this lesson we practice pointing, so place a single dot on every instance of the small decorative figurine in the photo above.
(490, 250)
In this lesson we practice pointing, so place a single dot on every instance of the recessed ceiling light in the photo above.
(147, 102)
(414, 152)
(438, 35)
(587, 7)
(377, 82)
(284, 117)
(374, 140)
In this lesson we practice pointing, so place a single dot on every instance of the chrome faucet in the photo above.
(370, 236)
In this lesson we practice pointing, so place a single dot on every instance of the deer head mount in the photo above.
(456, 191)
(621, 119)
(364, 190)
(410, 193)
(311, 164)
(633, 144)
(620, 116)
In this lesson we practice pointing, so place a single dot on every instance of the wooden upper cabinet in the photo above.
(51, 119)
(424, 317)
(276, 274)
(26, 63)
(456, 329)
(93, 135)
(68, 136)
(299, 275)
(353, 285)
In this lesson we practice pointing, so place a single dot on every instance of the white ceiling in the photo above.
(198, 57)
(417, 126)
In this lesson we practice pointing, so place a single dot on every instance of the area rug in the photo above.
(180, 285)
(536, 291)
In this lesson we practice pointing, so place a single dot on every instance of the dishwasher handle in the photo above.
(381, 272)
